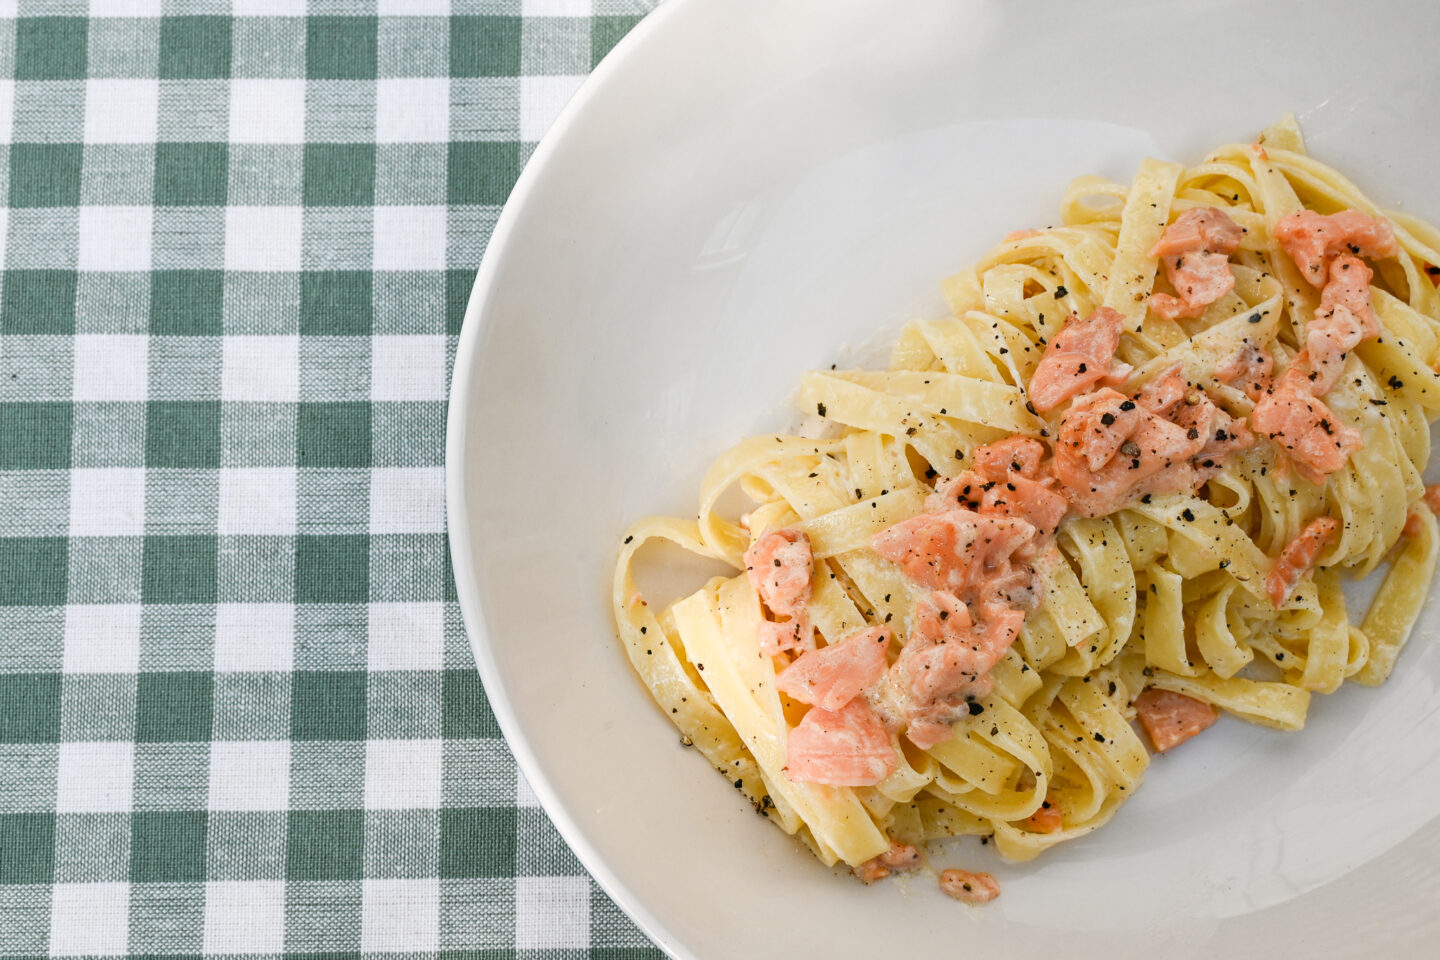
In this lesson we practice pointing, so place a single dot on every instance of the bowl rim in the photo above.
(462, 555)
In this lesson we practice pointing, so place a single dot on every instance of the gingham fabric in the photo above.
(238, 713)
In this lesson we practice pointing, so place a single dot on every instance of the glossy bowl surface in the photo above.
(749, 189)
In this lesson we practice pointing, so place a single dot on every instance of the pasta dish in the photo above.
(1115, 493)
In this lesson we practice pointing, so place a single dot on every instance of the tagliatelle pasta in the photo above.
(1213, 582)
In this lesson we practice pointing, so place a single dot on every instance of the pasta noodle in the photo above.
(1172, 592)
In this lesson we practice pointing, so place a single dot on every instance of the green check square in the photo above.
(38, 302)
(36, 436)
(195, 48)
(333, 435)
(337, 302)
(92, 847)
(328, 705)
(451, 594)
(179, 569)
(167, 920)
(45, 174)
(477, 842)
(34, 571)
(187, 303)
(458, 284)
(191, 174)
(29, 705)
(484, 46)
(167, 846)
(325, 845)
(332, 569)
(339, 175)
(174, 707)
(402, 843)
(246, 845)
(182, 433)
(342, 48)
(605, 32)
(123, 47)
(50, 48)
(27, 847)
(467, 711)
(482, 172)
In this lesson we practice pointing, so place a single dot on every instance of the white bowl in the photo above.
(739, 192)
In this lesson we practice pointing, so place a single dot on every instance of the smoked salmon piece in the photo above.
(1298, 557)
(1045, 820)
(836, 674)
(1022, 455)
(1251, 367)
(1009, 479)
(1313, 239)
(947, 660)
(1172, 718)
(1169, 436)
(953, 550)
(1195, 251)
(969, 887)
(900, 856)
(1317, 442)
(780, 565)
(1028, 500)
(1432, 500)
(842, 748)
(1018, 497)
(1076, 359)
(949, 650)
(1343, 319)
(794, 634)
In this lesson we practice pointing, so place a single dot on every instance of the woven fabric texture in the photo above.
(238, 712)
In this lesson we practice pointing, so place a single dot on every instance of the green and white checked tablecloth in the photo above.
(238, 711)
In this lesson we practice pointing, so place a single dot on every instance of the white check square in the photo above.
(89, 919)
(556, 8)
(254, 637)
(268, 8)
(400, 916)
(407, 636)
(403, 774)
(7, 103)
(267, 111)
(552, 913)
(95, 777)
(102, 638)
(415, 8)
(541, 100)
(524, 793)
(263, 238)
(125, 8)
(258, 500)
(407, 500)
(250, 775)
(260, 369)
(107, 502)
(116, 238)
(111, 367)
(407, 368)
(244, 917)
(410, 238)
(121, 111)
(412, 110)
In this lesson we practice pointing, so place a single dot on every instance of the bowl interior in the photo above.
(751, 189)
